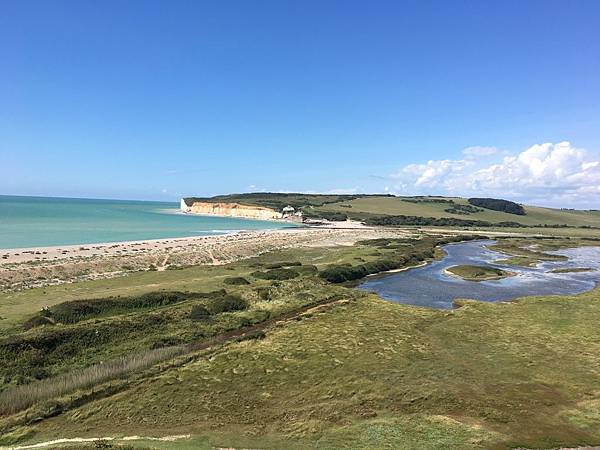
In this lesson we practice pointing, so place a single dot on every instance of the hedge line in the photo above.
(397, 260)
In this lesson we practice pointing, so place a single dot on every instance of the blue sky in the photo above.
(154, 100)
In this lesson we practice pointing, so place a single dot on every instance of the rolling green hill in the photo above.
(361, 206)
(534, 215)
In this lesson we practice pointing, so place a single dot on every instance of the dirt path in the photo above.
(54, 442)
(163, 265)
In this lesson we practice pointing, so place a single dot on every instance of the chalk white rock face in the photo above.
(231, 210)
(183, 206)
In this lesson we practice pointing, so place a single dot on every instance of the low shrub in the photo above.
(236, 281)
(77, 310)
(226, 304)
(463, 209)
(37, 321)
(283, 264)
(199, 313)
(423, 249)
(497, 204)
(308, 269)
(264, 293)
(276, 274)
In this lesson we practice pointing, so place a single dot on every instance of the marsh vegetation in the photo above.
(283, 339)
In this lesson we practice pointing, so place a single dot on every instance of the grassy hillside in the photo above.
(366, 373)
(361, 206)
(401, 206)
(86, 323)
(265, 353)
(277, 200)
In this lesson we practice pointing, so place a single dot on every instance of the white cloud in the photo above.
(550, 174)
(433, 173)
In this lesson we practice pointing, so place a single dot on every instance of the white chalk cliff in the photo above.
(230, 210)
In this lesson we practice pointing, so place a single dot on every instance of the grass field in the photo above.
(17, 306)
(397, 206)
(50, 331)
(322, 365)
(372, 374)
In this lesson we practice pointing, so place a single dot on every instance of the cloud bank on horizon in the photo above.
(548, 174)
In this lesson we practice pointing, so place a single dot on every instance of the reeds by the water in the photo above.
(22, 397)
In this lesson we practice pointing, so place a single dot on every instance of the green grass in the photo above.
(373, 374)
(104, 324)
(358, 206)
(478, 273)
(397, 206)
(16, 307)
(353, 372)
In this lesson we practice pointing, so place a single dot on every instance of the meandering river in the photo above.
(430, 286)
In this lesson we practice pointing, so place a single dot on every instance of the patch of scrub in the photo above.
(417, 432)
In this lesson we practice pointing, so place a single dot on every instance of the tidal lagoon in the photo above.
(431, 286)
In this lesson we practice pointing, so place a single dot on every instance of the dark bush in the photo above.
(463, 209)
(436, 222)
(427, 200)
(497, 204)
(264, 293)
(339, 274)
(77, 310)
(37, 321)
(423, 249)
(283, 264)
(276, 274)
(307, 270)
(199, 313)
(227, 303)
(236, 281)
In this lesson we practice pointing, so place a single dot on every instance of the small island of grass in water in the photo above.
(572, 270)
(477, 273)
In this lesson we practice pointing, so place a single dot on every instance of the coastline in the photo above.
(227, 216)
(26, 254)
(25, 268)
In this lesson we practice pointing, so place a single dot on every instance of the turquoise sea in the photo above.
(49, 221)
